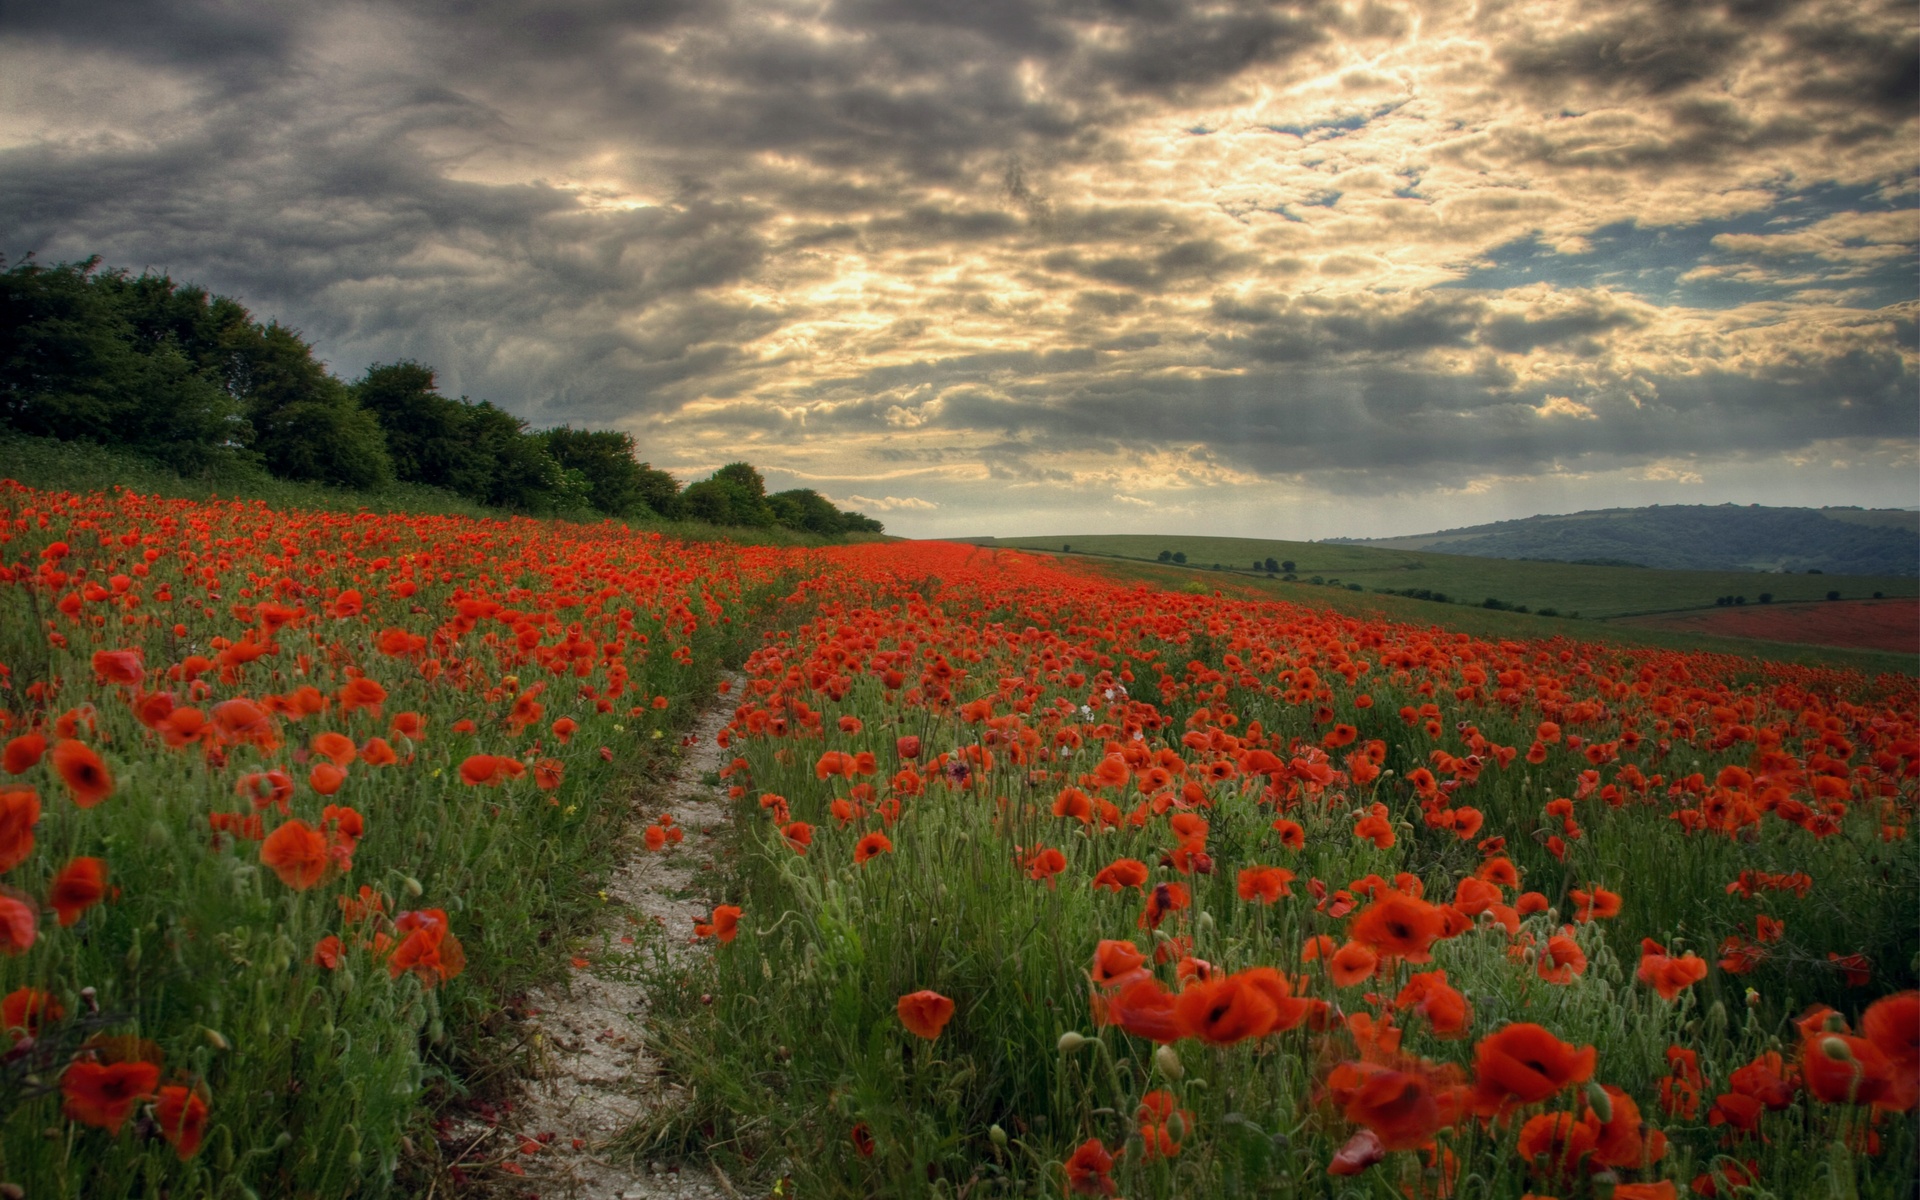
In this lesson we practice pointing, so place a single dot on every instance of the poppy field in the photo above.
(290, 800)
(1049, 885)
(1037, 884)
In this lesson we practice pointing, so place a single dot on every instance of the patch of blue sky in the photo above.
(1653, 262)
(1333, 127)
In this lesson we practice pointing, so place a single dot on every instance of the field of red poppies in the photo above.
(290, 800)
(1039, 884)
(1053, 886)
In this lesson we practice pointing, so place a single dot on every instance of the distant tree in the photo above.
(614, 479)
(1273, 566)
(1287, 567)
(1066, 548)
(427, 433)
(806, 509)
(1166, 556)
(508, 467)
(81, 359)
(1180, 556)
(734, 495)
(1766, 597)
(306, 424)
(1833, 595)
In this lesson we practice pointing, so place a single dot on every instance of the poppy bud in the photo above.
(997, 1136)
(1204, 922)
(217, 1040)
(1071, 1041)
(412, 885)
(1599, 1101)
(1177, 1127)
(1169, 1063)
(1836, 1049)
(1833, 1022)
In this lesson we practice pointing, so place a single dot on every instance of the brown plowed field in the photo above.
(1870, 624)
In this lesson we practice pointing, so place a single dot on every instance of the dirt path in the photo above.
(593, 1076)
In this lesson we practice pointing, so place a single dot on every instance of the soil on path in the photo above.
(592, 1074)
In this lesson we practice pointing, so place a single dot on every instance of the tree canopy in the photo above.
(189, 378)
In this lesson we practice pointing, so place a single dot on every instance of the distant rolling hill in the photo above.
(1694, 537)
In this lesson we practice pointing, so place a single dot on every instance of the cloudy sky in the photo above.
(991, 266)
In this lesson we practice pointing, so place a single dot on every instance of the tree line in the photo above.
(189, 378)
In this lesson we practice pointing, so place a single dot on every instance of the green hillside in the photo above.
(1565, 588)
(1696, 537)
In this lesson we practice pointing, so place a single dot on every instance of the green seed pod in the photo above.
(1836, 1048)
(997, 1136)
(1168, 1063)
(1599, 1101)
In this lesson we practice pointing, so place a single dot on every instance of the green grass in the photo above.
(1489, 623)
(790, 1051)
(1592, 592)
(85, 467)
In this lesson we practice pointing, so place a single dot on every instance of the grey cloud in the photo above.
(430, 208)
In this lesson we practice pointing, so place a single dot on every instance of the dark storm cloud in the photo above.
(919, 219)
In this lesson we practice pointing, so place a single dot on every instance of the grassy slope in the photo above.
(1487, 623)
(1590, 591)
(81, 466)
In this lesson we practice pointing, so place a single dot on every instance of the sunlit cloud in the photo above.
(1311, 269)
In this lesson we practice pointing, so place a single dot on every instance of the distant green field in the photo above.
(1488, 623)
(1568, 588)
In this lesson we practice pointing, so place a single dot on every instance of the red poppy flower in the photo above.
(1121, 873)
(27, 1008)
(925, 1013)
(871, 845)
(1224, 1010)
(86, 777)
(1398, 1106)
(1599, 903)
(1116, 962)
(723, 924)
(19, 813)
(427, 947)
(1163, 899)
(1525, 1064)
(326, 779)
(297, 853)
(181, 1114)
(1292, 835)
(1398, 926)
(1353, 963)
(1665, 975)
(1265, 884)
(1088, 1170)
(80, 885)
(103, 1095)
(19, 924)
(1144, 1008)
(119, 666)
(23, 753)
(327, 952)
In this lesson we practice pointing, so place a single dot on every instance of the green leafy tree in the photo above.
(305, 423)
(426, 432)
(603, 458)
(73, 365)
(734, 495)
(806, 509)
